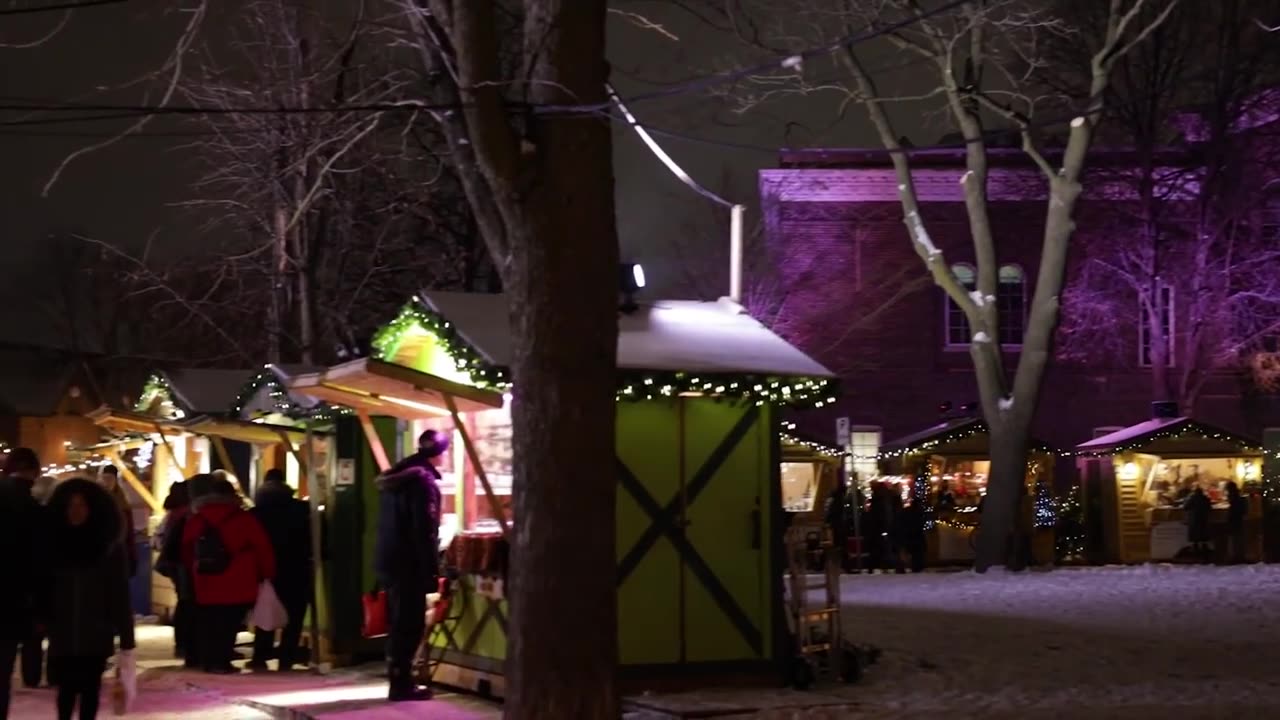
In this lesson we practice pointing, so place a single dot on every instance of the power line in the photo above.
(84, 4)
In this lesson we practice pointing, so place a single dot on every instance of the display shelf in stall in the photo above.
(1136, 481)
(698, 458)
(958, 455)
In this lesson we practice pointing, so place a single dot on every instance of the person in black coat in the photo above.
(1197, 509)
(84, 592)
(177, 506)
(406, 557)
(912, 533)
(20, 525)
(1237, 510)
(287, 521)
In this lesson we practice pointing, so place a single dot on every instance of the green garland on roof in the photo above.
(155, 386)
(633, 384)
(414, 316)
(282, 401)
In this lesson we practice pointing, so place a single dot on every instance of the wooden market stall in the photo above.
(698, 466)
(957, 455)
(1136, 481)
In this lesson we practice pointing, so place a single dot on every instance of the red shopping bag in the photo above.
(375, 614)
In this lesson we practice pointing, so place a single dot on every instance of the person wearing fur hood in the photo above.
(85, 591)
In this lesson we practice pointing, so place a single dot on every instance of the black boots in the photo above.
(403, 688)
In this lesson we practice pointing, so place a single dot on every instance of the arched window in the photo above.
(957, 324)
(1011, 303)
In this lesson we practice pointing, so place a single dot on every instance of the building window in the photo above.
(957, 324)
(1011, 305)
(864, 445)
(1165, 310)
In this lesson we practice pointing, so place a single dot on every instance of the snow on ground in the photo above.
(1151, 641)
(1130, 643)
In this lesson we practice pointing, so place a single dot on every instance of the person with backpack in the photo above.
(407, 556)
(228, 554)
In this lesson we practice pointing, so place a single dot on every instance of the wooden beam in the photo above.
(173, 458)
(494, 506)
(143, 491)
(224, 457)
(375, 441)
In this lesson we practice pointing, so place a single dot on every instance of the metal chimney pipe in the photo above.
(735, 252)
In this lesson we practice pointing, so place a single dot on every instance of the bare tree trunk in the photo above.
(1008, 448)
(543, 198)
(275, 323)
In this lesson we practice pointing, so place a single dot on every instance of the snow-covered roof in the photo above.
(1156, 428)
(951, 433)
(671, 335)
(203, 391)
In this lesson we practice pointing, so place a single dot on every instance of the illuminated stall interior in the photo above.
(1139, 479)
(957, 455)
(809, 472)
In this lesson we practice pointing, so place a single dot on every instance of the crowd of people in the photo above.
(71, 579)
(894, 531)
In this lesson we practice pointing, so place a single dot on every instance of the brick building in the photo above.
(858, 298)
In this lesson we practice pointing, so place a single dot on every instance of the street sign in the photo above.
(842, 432)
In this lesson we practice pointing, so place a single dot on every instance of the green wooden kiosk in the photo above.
(699, 514)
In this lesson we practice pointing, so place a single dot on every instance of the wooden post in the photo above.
(137, 485)
(494, 506)
(223, 456)
(375, 441)
(321, 648)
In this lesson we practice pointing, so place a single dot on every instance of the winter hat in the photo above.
(433, 443)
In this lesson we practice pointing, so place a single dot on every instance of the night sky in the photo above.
(128, 192)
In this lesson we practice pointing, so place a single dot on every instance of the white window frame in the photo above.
(1022, 288)
(872, 437)
(949, 307)
(1171, 309)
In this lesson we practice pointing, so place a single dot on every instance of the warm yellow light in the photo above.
(1129, 471)
(415, 405)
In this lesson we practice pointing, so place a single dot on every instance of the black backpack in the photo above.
(212, 556)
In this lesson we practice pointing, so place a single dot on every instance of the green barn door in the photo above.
(696, 531)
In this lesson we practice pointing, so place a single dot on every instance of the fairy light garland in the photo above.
(1070, 537)
(978, 427)
(157, 386)
(1178, 432)
(281, 401)
(414, 318)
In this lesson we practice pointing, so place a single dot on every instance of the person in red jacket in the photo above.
(229, 555)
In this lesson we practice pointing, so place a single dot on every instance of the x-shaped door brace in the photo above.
(665, 523)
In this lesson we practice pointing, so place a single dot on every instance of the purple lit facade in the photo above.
(835, 216)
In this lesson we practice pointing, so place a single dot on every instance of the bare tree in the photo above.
(1186, 262)
(539, 180)
(983, 57)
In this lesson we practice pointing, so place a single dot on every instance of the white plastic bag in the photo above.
(125, 689)
(268, 612)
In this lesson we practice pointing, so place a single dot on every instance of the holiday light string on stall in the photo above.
(414, 318)
(282, 401)
(157, 386)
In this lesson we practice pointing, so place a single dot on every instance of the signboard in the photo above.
(842, 432)
(346, 471)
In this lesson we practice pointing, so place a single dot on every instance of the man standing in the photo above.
(407, 556)
(20, 522)
(287, 521)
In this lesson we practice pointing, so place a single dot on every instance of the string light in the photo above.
(1069, 538)
(971, 429)
(416, 319)
(157, 386)
(1188, 428)
(281, 400)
